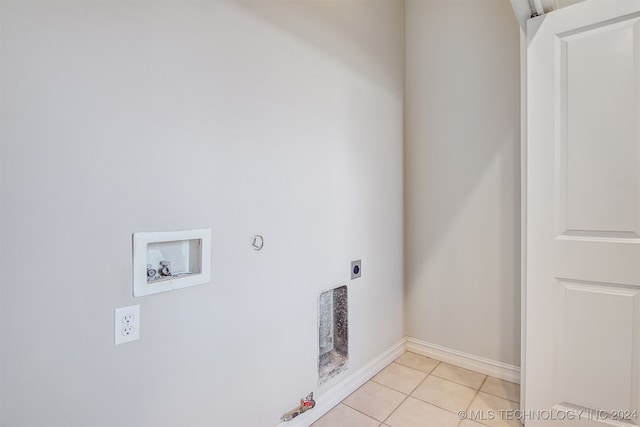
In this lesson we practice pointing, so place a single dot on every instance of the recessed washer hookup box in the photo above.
(169, 260)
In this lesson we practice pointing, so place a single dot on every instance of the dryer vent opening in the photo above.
(333, 333)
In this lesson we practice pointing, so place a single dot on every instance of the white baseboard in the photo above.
(330, 398)
(500, 370)
(340, 391)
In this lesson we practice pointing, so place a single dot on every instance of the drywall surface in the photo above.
(283, 119)
(565, 3)
(462, 177)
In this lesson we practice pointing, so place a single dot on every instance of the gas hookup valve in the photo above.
(305, 404)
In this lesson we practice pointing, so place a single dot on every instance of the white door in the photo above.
(583, 216)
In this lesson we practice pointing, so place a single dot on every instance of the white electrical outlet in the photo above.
(127, 324)
(128, 318)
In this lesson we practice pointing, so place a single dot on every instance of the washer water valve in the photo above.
(165, 268)
(163, 271)
(151, 272)
(305, 404)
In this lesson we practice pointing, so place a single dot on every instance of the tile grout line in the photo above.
(406, 396)
(470, 402)
(358, 410)
(476, 390)
(431, 372)
(482, 384)
(474, 398)
(395, 409)
(413, 369)
(414, 389)
(382, 385)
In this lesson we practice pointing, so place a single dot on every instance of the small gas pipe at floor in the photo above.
(305, 404)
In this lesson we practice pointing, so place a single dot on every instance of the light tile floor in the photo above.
(416, 391)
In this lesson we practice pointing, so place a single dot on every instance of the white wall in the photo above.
(462, 177)
(565, 3)
(284, 119)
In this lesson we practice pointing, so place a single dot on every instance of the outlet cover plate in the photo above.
(126, 324)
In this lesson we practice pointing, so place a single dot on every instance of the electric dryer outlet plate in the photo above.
(356, 269)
